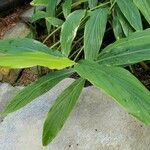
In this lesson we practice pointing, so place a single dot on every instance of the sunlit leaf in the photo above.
(23, 53)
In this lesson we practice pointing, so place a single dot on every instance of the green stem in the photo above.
(57, 43)
(101, 5)
(76, 42)
(51, 34)
(78, 53)
(112, 5)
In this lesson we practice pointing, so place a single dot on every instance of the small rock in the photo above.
(115, 129)
(20, 30)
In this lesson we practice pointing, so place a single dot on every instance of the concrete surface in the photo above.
(97, 123)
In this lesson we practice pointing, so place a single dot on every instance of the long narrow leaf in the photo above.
(69, 30)
(23, 53)
(133, 49)
(67, 7)
(131, 13)
(60, 110)
(92, 3)
(126, 27)
(36, 89)
(121, 85)
(117, 28)
(94, 32)
(38, 15)
(50, 9)
(144, 6)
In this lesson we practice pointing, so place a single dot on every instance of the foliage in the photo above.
(83, 24)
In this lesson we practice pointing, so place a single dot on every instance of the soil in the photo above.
(8, 22)
(143, 75)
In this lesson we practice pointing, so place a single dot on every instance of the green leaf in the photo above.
(23, 53)
(60, 111)
(121, 85)
(39, 15)
(69, 30)
(54, 21)
(67, 7)
(133, 49)
(36, 89)
(50, 9)
(131, 13)
(92, 3)
(127, 28)
(39, 2)
(117, 28)
(144, 7)
(94, 32)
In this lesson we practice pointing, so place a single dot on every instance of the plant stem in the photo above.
(51, 34)
(55, 44)
(145, 66)
(112, 5)
(101, 5)
(76, 42)
(78, 53)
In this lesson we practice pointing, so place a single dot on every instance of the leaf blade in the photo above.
(94, 32)
(133, 49)
(60, 110)
(131, 13)
(92, 3)
(69, 30)
(121, 85)
(67, 7)
(144, 7)
(23, 53)
(36, 89)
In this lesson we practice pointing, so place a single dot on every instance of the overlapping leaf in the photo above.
(54, 21)
(126, 27)
(131, 13)
(117, 28)
(133, 49)
(92, 3)
(60, 110)
(36, 89)
(23, 53)
(67, 7)
(121, 85)
(39, 15)
(69, 30)
(50, 9)
(144, 7)
(94, 32)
